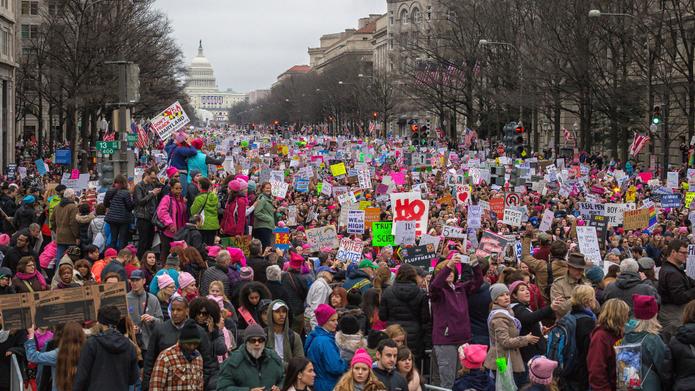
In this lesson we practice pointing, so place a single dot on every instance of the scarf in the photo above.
(26, 277)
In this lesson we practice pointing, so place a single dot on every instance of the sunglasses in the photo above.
(205, 313)
(256, 340)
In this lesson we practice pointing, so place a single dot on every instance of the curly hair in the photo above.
(249, 288)
(199, 304)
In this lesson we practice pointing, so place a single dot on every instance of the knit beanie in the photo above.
(594, 274)
(171, 172)
(644, 307)
(254, 331)
(323, 313)
(296, 261)
(540, 370)
(246, 274)
(172, 260)
(189, 332)
(514, 285)
(237, 256)
(4, 240)
(109, 315)
(496, 290)
(164, 280)
(185, 279)
(361, 356)
(472, 356)
(348, 325)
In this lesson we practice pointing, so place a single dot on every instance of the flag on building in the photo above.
(638, 143)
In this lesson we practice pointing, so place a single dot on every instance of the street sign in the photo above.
(108, 147)
(131, 138)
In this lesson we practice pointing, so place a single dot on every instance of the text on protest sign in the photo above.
(349, 251)
(419, 255)
(322, 237)
(278, 189)
(171, 120)
(588, 244)
(450, 231)
(381, 234)
(512, 217)
(547, 221)
(475, 214)
(409, 207)
(355, 222)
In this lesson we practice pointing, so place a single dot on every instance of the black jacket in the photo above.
(120, 205)
(404, 303)
(258, 264)
(478, 310)
(145, 202)
(15, 344)
(9, 206)
(683, 357)
(531, 323)
(675, 287)
(190, 234)
(296, 288)
(393, 380)
(166, 335)
(627, 284)
(108, 361)
(277, 290)
(23, 217)
(583, 331)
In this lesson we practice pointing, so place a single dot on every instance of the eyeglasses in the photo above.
(256, 340)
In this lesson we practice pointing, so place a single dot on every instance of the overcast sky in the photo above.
(250, 43)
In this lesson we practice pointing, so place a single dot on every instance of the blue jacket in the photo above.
(42, 358)
(178, 155)
(322, 351)
(355, 276)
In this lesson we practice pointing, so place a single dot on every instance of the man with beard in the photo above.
(180, 367)
(252, 366)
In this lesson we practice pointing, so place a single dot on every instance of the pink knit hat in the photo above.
(164, 280)
(361, 356)
(472, 356)
(179, 243)
(171, 172)
(185, 279)
(515, 284)
(4, 239)
(213, 251)
(323, 312)
(237, 256)
(235, 185)
(540, 370)
(296, 260)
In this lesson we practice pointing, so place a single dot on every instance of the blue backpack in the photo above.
(562, 343)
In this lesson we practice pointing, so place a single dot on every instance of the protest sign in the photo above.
(327, 189)
(338, 169)
(15, 311)
(381, 234)
(430, 239)
(547, 221)
(588, 244)
(475, 214)
(350, 251)
(278, 189)
(689, 196)
(491, 244)
(242, 242)
(615, 213)
(355, 222)
(601, 224)
(449, 231)
(301, 185)
(671, 200)
(690, 261)
(364, 179)
(322, 237)
(63, 156)
(171, 120)
(409, 207)
(292, 215)
(463, 193)
(497, 206)
(371, 215)
(41, 167)
(587, 209)
(419, 255)
(277, 176)
(282, 238)
(512, 217)
(79, 184)
(405, 232)
(636, 219)
(672, 179)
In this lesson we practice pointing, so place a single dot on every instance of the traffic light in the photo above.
(375, 115)
(519, 129)
(415, 133)
(656, 116)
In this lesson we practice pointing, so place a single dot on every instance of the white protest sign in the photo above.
(292, 215)
(409, 207)
(327, 189)
(588, 244)
(475, 213)
(426, 239)
(349, 251)
(171, 120)
(405, 232)
(588, 209)
(615, 213)
(355, 222)
(278, 189)
(672, 179)
(76, 184)
(547, 221)
(690, 262)
(449, 231)
(364, 179)
(512, 217)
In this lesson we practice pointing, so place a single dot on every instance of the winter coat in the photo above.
(200, 162)
(66, 260)
(476, 379)
(21, 285)
(24, 216)
(114, 267)
(120, 206)
(656, 359)
(234, 216)
(173, 371)
(166, 335)
(138, 305)
(64, 219)
(531, 323)
(207, 203)
(14, 344)
(84, 221)
(95, 226)
(505, 340)
(349, 343)
(627, 284)
(291, 347)
(145, 202)
(675, 287)
(539, 267)
(683, 358)
(215, 273)
(406, 304)
(172, 211)
(108, 361)
(562, 287)
(297, 287)
(322, 351)
(264, 214)
(478, 309)
(178, 154)
(356, 276)
(319, 293)
(277, 290)
(241, 372)
(600, 360)
(259, 265)
(451, 322)
(192, 236)
(585, 325)
(49, 358)
(392, 379)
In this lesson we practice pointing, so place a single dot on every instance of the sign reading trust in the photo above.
(171, 120)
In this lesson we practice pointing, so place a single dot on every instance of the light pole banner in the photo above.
(171, 120)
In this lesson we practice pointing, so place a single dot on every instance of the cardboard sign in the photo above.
(322, 237)
(371, 215)
(512, 217)
(355, 222)
(171, 120)
(405, 232)
(349, 251)
(588, 244)
(449, 231)
(381, 234)
(292, 215)
(636, 219)
(547, 221)
(475, 214)
(282, 238)
(409, 207)
(242, 242)
(419, 256)
(279, 189)
(338, 169)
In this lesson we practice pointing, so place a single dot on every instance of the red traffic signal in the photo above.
(415, 128)
(519, 129)
(375, 114)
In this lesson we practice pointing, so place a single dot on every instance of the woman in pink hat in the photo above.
(360, 376)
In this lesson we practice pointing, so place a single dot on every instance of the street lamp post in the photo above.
(485, 42)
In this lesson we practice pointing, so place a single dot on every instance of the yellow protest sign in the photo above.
(365, 204)
(689, 196)
(338, 169)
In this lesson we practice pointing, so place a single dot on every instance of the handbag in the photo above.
(157, 221)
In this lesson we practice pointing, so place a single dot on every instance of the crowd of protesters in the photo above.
(214, 301)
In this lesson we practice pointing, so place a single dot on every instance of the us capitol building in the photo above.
(211, 104)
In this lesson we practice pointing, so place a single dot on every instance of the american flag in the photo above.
(109, 136)
(372, 127)
(142, 135)
(638, 143)
(567, 134)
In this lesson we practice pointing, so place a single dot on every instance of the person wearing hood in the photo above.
(319, 293)
(264, 216)
(206, 204)
(349, 337)
(283, 340)
(360, 278)
(404, 303)
(72, 254)
(199, 161)
(682, 353)
(253, 366)
(119, 204)
(25, 215)
(66, 275)
(84, 218)
(64, 219)
(180, 366)
(321, 349)
(166, 334)
(108, 360)
(6, 287)
(629, 283)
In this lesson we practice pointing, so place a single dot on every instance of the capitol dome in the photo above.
(200, 73)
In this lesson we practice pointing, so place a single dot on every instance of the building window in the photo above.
(30, 7)
(391, 20)
(5, 43)
(53, 7)
(404, 17)
(4, 4)
(417, 16)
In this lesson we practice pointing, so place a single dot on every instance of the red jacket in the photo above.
(234, 218)
(601, 360)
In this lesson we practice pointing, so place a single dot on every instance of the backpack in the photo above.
(229, 217)
(562, 343)
(100, 238)
(356, 288)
